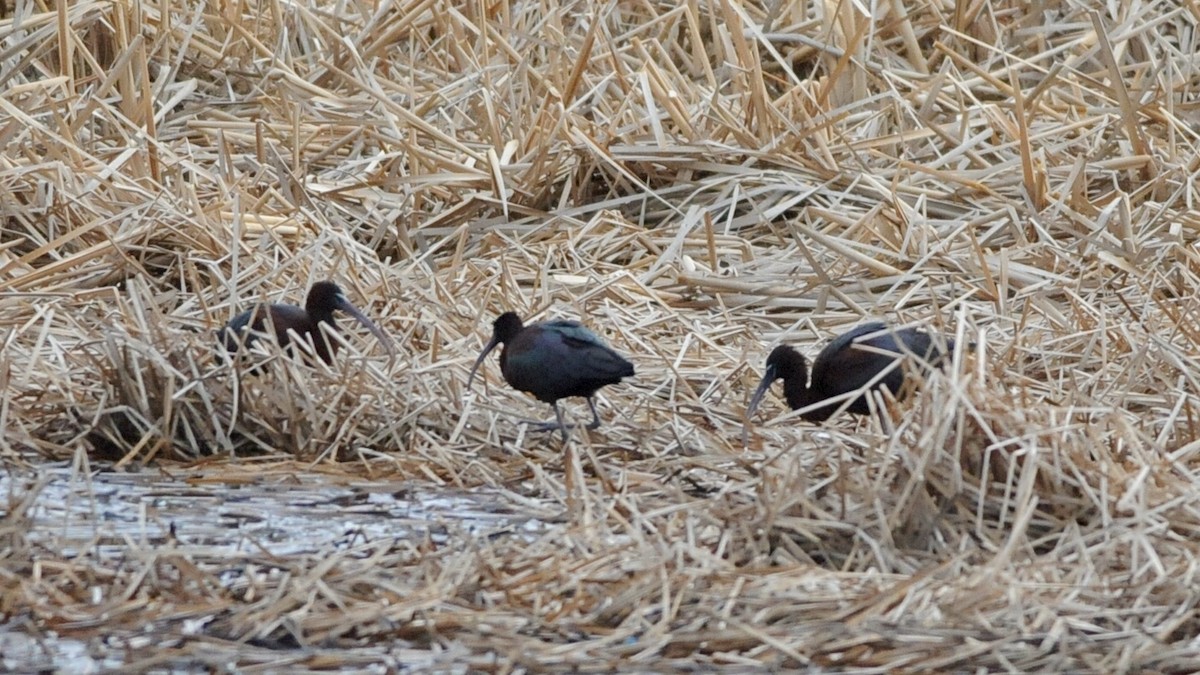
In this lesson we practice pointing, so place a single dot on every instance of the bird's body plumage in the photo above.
(559, 359)
(554, 360)
(868, 356)
(259, 321)
(323, 299)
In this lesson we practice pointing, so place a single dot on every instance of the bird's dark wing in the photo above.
(590, 354)
(559, 359)
(570, 331)
(844, 364)
(255, 322)
(285, 317)
(242, 329)
(926, 348)
(856, 357)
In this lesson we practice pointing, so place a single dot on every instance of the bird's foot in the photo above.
(538, 425)
(562, 427)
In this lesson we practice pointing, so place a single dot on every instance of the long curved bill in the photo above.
(763, 386)
(768, 379)
(482, 355)
(345, 306)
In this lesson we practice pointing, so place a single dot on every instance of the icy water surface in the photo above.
(105, 515)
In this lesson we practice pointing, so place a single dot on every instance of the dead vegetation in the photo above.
(699, 182)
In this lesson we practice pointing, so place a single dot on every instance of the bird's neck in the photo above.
(797, 392)
(800, 395)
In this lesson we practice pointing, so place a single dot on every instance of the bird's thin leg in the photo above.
(558, 416)
(557, 425)
(595, 423)
(560, 424)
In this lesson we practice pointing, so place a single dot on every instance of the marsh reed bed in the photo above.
(698, 181)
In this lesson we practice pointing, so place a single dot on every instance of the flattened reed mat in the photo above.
(696, 183)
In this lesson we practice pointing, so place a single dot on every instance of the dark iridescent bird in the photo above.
(553, 360)
(324, 298)
(847, 364)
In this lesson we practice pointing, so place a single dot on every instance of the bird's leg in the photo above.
(558, 416)
(595, 423)
(557, 425)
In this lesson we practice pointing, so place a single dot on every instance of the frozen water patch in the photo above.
(284, 515)
(21, 652)
(223, 516)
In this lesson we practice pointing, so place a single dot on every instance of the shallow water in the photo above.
(226, 513)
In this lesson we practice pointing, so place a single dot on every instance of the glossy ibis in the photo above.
(554, 360)
(847, 364)
(324, 298)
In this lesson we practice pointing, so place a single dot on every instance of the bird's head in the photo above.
(504, 328)
(783, 363)
(325, 297)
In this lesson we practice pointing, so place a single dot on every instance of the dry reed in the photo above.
(698, 182)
